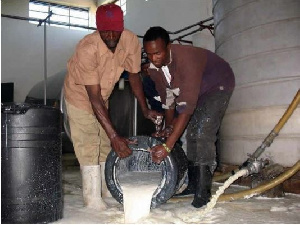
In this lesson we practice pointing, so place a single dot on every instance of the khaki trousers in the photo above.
(90, 142)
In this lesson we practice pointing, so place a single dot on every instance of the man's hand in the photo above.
(151, 114)
(165, 133)
(144, 68)
(120, 146)
(158, 153)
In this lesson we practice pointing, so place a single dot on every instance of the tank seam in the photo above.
(232, 10)
(252, 28)
(257, 137)
(258, 108)
(279, 50)
(267, 81)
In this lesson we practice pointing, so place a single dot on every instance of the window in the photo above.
(61, 13)
(122, 4)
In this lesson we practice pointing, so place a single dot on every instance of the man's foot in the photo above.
(204, 181)
(199, 202)
(96, 203)
(187, 191)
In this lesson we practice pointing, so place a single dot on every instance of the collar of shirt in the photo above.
(103, 48)
(165, 69)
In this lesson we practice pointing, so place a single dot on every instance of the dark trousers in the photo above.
(203, 127)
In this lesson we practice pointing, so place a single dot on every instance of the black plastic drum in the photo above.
(31, 185)
(173, 168)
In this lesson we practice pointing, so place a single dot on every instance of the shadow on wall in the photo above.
(54, 86)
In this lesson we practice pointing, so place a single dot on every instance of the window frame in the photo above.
(67, 23)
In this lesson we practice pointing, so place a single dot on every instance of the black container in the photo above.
(121, 112)
(173, 169)
(31, 176)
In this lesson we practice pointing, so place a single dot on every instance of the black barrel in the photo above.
(121, 111)
(31, 176)
(173, 168)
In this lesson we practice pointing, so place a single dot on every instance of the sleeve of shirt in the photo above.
(85, 65)
(133, 61)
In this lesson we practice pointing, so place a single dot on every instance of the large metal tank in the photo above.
(261, 41)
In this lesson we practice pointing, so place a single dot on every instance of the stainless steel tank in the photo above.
(261, 41)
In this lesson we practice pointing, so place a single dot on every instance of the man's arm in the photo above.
(169, 117)
(160, 152)
(179, 124)
(137, 89)
(118, 143)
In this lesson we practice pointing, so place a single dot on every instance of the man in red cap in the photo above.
(93, 70)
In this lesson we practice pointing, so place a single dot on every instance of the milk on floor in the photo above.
(138, 188)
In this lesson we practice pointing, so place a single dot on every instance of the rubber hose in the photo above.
(262, 188)
(284, 176)
(288, 112)
(224, 176)
(254, 191)
(293, 105)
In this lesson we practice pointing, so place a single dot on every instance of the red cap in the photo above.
(109, 17)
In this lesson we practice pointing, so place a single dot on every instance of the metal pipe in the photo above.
(192, 32)
(45, 63)
(20, 18)
(52, 22)
(268, 140)
(251, 192)
(45, 53)
(193, 25)
(135, 117)
(140, 36)
(274, 133)
(262, 188)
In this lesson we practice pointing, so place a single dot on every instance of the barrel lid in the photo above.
(20, 108)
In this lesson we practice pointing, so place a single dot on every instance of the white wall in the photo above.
(22, 47)
(22, 43)
(172, 15)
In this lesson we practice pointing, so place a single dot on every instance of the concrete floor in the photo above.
(255, 210)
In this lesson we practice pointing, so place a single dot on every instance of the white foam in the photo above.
(138, 189)
(278, 209)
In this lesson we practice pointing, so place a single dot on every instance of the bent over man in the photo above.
(197, 84)
(93, 70)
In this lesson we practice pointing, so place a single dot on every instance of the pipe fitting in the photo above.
(254, 166)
